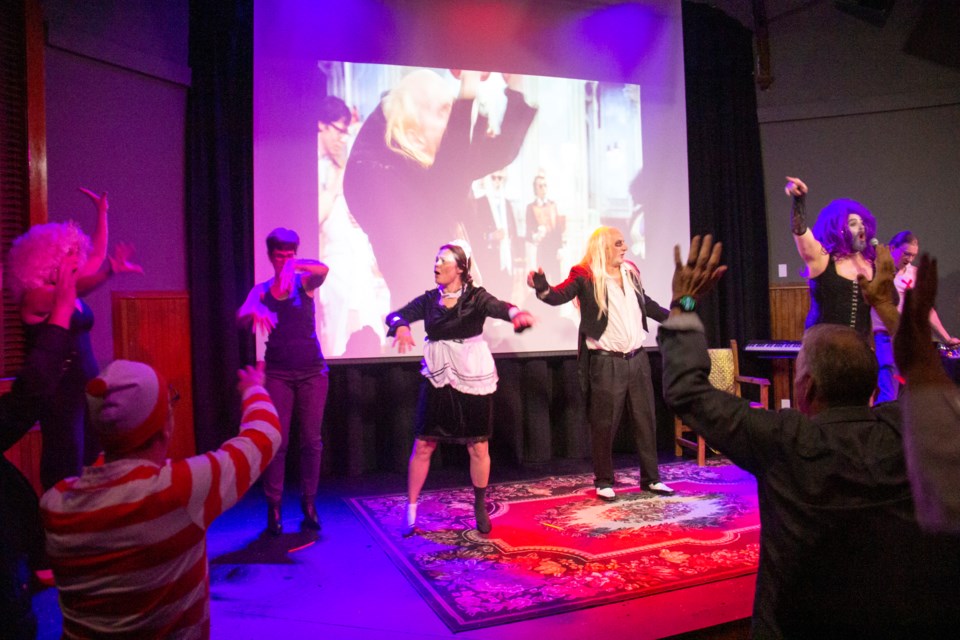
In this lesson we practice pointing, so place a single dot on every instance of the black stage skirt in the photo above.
(447, 415)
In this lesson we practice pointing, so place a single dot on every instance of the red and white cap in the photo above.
(129, 402)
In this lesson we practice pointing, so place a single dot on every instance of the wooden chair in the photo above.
(724, 375)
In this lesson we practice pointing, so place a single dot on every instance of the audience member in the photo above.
(21, 540)
(904, 247)
(34, 258)
(841, 552)
(931, 405)
(127, 540)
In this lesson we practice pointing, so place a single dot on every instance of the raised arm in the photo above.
(218, 479)
(45, 363)
(931, 405)
(254, 313)
(399, 322)
(809, 248)
(940, 331)
(563, 292)
(120, 261)
(314, 272)
(98, 253)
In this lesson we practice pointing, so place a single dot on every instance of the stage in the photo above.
(343, 584)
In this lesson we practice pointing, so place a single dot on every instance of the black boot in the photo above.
(274, 519)
(480, 510)
(310, 518)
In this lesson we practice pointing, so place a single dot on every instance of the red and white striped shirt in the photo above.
(127, 540)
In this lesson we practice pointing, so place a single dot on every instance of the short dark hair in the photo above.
(281, 239)
(841, 365)
(333, 109)
(904, 237)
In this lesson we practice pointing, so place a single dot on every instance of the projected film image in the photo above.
(521, 167)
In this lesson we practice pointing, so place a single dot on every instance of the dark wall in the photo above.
(116, 85)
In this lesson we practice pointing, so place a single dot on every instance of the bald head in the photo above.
(835, 368)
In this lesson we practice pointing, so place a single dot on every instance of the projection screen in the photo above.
(375, 165)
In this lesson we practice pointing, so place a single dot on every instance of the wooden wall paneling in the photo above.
(154, 327)
(789, 305)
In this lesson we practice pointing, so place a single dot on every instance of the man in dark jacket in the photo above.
(614, 369)
(842, 554)
(21, 537)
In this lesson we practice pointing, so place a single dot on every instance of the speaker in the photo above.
(936, 37)
(875, 12)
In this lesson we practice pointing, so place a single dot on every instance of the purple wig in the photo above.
(832, 231)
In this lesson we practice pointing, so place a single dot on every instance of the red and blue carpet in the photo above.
(555, 547)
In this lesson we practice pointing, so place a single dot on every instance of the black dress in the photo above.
(459, 374)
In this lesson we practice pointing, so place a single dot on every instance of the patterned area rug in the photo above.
(555, 547)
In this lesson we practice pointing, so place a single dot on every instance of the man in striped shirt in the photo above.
(127, 540)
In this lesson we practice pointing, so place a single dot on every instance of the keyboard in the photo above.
(773, 348)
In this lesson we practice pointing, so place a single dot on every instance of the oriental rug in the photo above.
(555, 547)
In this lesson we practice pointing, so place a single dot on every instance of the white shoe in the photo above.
(410, 523)
(659, 487)
(607, 493)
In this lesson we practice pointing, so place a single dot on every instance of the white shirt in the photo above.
(498, 205)
(624, 330)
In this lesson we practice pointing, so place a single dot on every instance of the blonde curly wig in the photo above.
(36, 255)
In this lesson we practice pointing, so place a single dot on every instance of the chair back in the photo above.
(724, 368)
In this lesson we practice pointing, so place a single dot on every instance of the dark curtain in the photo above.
(538, 407)
(726, 170)
(219, 207)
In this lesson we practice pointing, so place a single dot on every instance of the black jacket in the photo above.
(579, 285)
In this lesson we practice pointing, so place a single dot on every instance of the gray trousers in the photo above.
(305, 393)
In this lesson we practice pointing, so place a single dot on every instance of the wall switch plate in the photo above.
(785, 403)
(782, 270)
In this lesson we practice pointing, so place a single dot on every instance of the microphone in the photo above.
(874, 242)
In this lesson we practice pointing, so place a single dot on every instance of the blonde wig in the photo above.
(595, 259)
(36, 255)
(402, 108)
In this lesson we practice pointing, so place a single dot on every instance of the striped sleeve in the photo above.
(219, 478)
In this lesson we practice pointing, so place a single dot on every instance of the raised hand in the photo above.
(100, 201)
(285, 282)
(699, 275)
(65, 292)
(913, 350)
(121, 259)
(533, 276)
(251, 376)
(795, 187)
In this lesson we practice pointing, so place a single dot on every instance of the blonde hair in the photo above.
(595, 260)
(36, 255)
(401, 108)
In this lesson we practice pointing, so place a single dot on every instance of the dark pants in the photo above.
(305, 393)
(616, 385)
(68, 439)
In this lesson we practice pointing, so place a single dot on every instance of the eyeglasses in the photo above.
(341, 130)
(498, 178)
